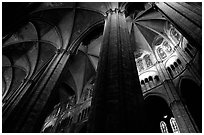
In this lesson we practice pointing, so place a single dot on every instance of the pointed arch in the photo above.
(157, 110)
(191, 95)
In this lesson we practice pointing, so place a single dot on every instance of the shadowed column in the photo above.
(117, 104)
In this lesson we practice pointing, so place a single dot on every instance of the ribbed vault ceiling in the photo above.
(54, 26)
(148, 25)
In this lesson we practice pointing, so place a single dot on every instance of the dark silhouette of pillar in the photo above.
(117, 104)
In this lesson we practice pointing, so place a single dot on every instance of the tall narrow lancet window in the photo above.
(175, 34)
(161, 53)
(167, 47)
(179, 40)
(140, 65)
(163, 127)
(174, 125)
(148, 60)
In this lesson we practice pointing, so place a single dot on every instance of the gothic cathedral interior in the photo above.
(102, 67)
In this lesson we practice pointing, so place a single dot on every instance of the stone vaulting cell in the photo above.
(101, 67)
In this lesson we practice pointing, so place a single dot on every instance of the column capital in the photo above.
(116, 10)
(154, 5)
(59, 51)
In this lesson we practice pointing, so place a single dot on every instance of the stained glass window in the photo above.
(163, 127)
(148, 60)
(174, 125)
(159, 41)
(167, 47)
(140, 65)
(161, 53)
(175, 34)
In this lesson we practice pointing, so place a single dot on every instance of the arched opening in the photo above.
(65, 93)
(146, 80)
(175, 64)
(142, 82)
(178, 61)
(169, 70)
(150, 78)
(79, 69)
(61, 98)
(158, 115)
(191, 96)
(172, 67)
(156, 78)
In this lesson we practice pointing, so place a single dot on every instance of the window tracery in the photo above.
(174, 125)
(163, 127)
(144, 60)
(140, 65)
(148, 60)
(175, 34)
(167, 47)
(161, 53)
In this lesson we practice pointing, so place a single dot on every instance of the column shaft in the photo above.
(117, 104)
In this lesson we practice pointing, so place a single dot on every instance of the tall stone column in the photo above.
(117, 104)
(187, 18)
(178, 108)
(182, 118)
